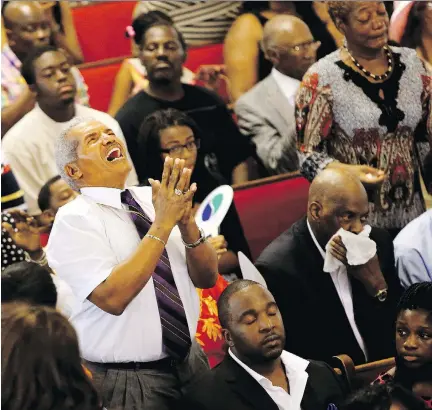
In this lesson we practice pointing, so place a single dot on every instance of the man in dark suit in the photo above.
(351, 310)
(257, 373)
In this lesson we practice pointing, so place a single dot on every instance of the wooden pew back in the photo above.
(356, 377)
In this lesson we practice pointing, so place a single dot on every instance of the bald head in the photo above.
(333, 185)
(27, 26)
(281, 35)
(337, 199)
(15, 11)
(283, 27)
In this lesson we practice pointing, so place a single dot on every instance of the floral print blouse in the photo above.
(342, 116)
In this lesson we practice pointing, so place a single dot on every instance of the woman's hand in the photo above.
(26, 234)
(369, 176)
(219, 244)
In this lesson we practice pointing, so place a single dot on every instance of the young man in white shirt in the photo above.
(133, 258)
(29, 144)
(257, 373)
(266, 112)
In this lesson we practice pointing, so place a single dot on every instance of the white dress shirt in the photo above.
(342, 284)
(93, 234)
(29, 148)
(288, 85)
(295, 368)
(66, 300)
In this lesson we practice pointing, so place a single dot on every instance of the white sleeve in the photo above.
(79, 252)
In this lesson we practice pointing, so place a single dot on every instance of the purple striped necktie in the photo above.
(175, 331)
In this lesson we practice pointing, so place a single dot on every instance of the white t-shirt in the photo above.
(93, 234)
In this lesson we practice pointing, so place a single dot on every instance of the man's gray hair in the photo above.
(66, 150)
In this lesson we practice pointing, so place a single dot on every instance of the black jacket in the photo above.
(315, 321)
(229, 387)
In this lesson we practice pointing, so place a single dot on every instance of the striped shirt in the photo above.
(200, 22)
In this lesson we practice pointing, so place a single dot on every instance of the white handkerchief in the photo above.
(360, 249)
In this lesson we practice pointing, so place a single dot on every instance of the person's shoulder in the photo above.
(256, 92)
(196, 91)
(77, 208)
(324, 69)
(282, 249)
(247, 23)
(135, 106)
(21, 133)
(203, 388)
(417, 230)
(380, 236)
(410, 59)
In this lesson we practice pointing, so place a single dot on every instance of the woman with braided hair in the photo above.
(413, 369)
(366, 108)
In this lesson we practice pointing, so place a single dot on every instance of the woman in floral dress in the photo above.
(366, 108)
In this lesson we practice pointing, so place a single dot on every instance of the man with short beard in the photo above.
(257, 373)
(29, 144)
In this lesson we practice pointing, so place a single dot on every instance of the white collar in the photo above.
(45, 118)
(321, 250)
(288, 84)
(104, 195)
(293, 364)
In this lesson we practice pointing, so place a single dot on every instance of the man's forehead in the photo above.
(59, 186)
(25, 13)
(252, 297)
(84, 128)
(50, 58)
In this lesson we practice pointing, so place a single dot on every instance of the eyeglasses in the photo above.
(178, 149)
(302, 48)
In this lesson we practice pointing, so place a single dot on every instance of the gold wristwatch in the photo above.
(382, 295)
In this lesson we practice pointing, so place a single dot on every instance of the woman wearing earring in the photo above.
(366, 108)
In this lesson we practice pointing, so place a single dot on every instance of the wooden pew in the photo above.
(269, 206)
(355, 377)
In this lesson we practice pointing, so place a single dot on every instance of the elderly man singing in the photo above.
(133, 258)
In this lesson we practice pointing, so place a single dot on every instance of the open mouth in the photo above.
(114, 154)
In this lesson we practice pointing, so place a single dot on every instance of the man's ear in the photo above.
(73, 172)
(272, 56)
(315, 210)
(227, 336)
(10, 36)
(33, 88)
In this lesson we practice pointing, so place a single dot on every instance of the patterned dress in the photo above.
(385, 378)
(342, 116)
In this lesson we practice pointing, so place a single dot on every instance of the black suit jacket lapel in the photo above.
(245, 386)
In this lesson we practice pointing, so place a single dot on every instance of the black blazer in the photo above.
(229, 387)
(315, 321)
